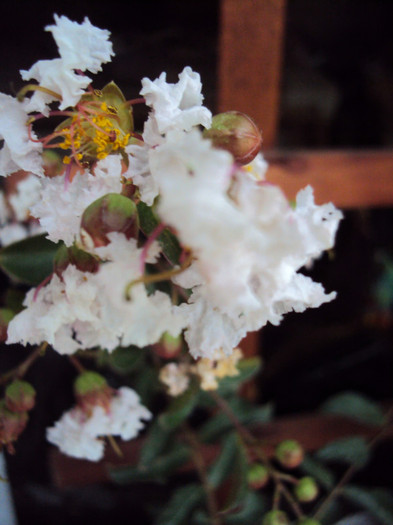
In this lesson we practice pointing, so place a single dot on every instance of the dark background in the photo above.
(336, 92)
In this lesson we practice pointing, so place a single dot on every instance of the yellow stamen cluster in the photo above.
(93, 134)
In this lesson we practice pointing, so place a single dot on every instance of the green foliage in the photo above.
(125, 360)
(169, 243)
(181, 504)
(352, 450)
(159, 470)
(320, 472)
(355, 406)
(180, 407)
(378, 504)
(222, 467)
(247, 413)
(29, 261)
(247, 368)
(156, 442)
(238, 487)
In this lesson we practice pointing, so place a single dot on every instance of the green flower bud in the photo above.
(235, 132)
(275, 517)
(309, 521)
(257, 476)
(20, 396)
(12, 425)
(169, 346)
(289, 453)
(111, 213)
(91, 390)
(306, 490)
(84, 261)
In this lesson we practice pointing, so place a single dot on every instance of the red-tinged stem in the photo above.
(152, 237)
(67, 176)
(134, 101)
(41, 285)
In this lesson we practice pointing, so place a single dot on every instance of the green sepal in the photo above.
(125, 360)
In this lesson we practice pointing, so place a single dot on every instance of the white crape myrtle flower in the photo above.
(62, 204)
(247, 241)
(175, 377)
(83, 310)
(174, 106)
(82, 47)
(27, 194)
(18, 151)
(82, 436)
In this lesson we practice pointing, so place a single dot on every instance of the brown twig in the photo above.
(352, 469)
(20, 370)
(200, 465)
(254, 444)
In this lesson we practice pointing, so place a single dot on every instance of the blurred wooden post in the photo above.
(249, 72)
(250, 55)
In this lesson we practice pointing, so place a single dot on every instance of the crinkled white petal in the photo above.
(176, 106)
(61, 205)
(59, 78)
(27, 193)
(82, 47)
(18, 151)
(82, 437)
(139, 171)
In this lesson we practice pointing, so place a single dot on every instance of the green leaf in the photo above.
(255, 505)
(180, 407)
(126, 360)
(355, 406)
(352, 450)
(247, 413)
(222, 467)
(239, 483)
(158, 471)
(247, 368)
(169, 243)
(155, 443)
(29, 261)
(146, 384)
(180, 505)
(318, 471)
(366, 500)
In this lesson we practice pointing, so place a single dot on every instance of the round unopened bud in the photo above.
(20, 396)
(91, 390)
(84, 261)
(237, 133)
(309, 521)
(306, 489)
(275, 517)
(5, 317)
(111, 213)
(289, 453)
(257, 476)
(12, 425)
(168, 346)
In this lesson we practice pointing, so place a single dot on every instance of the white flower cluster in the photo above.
(82, 436)
(246, 242)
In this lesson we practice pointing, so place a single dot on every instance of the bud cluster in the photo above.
(19, 399)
